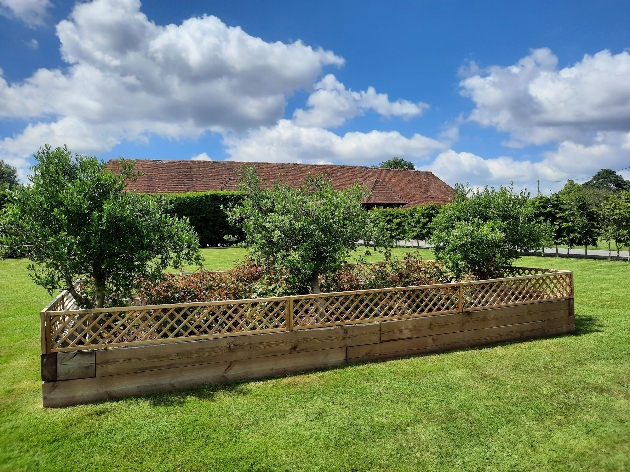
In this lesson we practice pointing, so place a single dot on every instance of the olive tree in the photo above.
(74, 220)
(306, 231)
(482, 232)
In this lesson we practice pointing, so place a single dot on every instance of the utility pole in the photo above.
(538, 182)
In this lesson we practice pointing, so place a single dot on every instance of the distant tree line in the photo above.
(580, 215)
(481, 231)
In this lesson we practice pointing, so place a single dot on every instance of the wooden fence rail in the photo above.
(65, 328)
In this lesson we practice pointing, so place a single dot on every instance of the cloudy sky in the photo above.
(481, 92)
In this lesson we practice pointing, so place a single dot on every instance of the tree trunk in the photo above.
(99, 292)
(82, 301)
(586, 250)
(314, 282)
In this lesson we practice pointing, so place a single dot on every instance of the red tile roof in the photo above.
(388, 186)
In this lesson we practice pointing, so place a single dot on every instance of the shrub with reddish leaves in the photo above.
(407, 272)
(248, 280)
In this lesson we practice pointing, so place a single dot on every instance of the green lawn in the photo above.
(552, 404)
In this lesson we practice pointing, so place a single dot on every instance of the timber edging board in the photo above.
(98, 375)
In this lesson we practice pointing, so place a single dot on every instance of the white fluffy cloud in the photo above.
(537, 103)
(332, 105)
(288, 142)
(465, 167)
(201, 157)
(129, 78)
(568, 161)
(583, 110)
(305, 137)
(31, 12)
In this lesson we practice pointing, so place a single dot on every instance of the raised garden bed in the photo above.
(94, 355)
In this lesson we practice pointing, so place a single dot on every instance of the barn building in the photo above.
(389, 188)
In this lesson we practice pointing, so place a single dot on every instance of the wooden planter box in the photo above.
(101, 354)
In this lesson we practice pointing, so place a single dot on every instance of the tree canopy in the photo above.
(608, 180)
(615, 218)
(482, 232)
(8, 175)
(306, 231)
(75, 221)
(397, 163)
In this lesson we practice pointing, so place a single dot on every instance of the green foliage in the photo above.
(407, 223)
(306, 231)
(75, 221)
(549, 208)
(615, 217)
(8, 175)
(609, 181)
(397, 163)
(393, 221)
(482, 232)
(207, 214)
(419, 220)
(578, 216)
(5, 195)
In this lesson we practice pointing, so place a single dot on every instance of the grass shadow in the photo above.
(586, 324)
(204, 392)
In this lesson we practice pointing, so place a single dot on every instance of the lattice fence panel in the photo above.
(518, 290)
(521, 271)
(348, 308)
(156, 324)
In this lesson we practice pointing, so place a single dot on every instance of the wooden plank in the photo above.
(49, 367)
(487, 318)
(462, 339)
(76, 365)
(138, 359)
(42, 331)
(73, 392)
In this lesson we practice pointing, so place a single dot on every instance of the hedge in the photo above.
(408, 223)
(206, 213)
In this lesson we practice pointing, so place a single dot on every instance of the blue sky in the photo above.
(487, 92)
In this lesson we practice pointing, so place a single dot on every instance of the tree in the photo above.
(549, 208)
(397, 163)
(482, 232)
(306, 231)
(8, 175)
(608, 180)
(578, 216)
(75, 221)
(615, 217)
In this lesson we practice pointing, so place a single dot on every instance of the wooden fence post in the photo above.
(460, 301)
(290, 314)
(44, 333)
